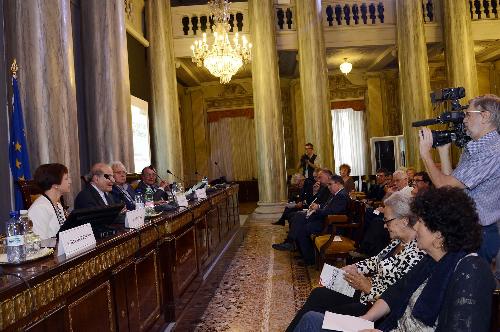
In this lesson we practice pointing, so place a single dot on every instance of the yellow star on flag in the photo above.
(21, 178)
(18, 163)
(18, 147)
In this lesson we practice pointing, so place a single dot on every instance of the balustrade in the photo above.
(484, 10)
(355, 13)
(192, 21)
(284, 17)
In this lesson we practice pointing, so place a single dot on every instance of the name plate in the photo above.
(201, 193)
(181, 200)
(76, 240)
(135, 218)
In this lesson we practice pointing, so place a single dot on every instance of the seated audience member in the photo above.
(303, 200)
(122, 191)
(304, 225)
(148, 180)
(376, 191)
(372, 276)
(321, 196)
(46, 212)
(345, 171)
(97, 193)
(410, 172)
(421, 183)
(448, 290)
(400, 183)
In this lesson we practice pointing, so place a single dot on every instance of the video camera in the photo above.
(456, 132)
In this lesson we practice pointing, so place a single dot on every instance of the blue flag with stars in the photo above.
(18, 150)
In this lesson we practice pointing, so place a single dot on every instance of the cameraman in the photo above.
(309, 161)
(478, 171)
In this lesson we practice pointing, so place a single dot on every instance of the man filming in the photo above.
(478, 171)
(309, 161)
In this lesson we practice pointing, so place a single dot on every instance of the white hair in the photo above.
(401, 173)
(400, 204)
(115, 164)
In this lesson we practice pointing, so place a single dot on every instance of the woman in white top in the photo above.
(46, 212)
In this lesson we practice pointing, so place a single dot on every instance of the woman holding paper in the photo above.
(372, 276)
(449, 290)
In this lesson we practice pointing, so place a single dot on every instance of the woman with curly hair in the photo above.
(451, 289)
(345, 173)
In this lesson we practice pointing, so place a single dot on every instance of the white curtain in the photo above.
(232, 146)
(349, 140)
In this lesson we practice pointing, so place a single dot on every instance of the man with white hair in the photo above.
(122, 191)
(400, 183)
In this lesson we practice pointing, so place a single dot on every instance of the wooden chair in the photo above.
(133, 179)
(329, 250)
(30, 192)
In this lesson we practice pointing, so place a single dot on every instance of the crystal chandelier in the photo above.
(223, 58)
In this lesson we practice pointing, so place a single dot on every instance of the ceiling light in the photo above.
(345, 67)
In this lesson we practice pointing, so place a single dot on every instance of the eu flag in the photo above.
(18, 152)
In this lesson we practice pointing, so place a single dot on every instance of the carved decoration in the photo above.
(342, 88)
(129, 9)
(232, 90)
(229, 103)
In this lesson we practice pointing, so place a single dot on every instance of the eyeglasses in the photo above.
(386, 221)
(467, 113)
(108, 176)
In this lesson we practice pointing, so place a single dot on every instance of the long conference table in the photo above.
(137, 280)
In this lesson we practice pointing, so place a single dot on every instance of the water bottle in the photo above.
(16, 251)
(148, 201)
(32, 241)
(139, 201)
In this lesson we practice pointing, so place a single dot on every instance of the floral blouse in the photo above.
(385, 269)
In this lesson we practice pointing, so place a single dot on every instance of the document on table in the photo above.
(333, 278)
(345, 323)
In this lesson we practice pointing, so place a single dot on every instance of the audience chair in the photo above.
(30, 192)
(133, 179)
(327, 249)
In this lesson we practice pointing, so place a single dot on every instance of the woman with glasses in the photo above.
(372, 276)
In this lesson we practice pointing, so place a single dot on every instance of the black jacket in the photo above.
(158, 194)
(90, 198)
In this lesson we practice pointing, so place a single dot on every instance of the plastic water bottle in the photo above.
(16, 251)
(139, 201)
(148, 201)
(32, 241)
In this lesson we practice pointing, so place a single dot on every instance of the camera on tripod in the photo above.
(454, 118)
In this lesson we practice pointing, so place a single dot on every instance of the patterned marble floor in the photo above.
(253, 287)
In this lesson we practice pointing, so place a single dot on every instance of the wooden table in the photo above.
(128, 282)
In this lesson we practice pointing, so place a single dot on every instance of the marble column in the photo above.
(267, 111)
(107, 84)
(459, 47)
(314, 79)
(39, 35)
(414, 82)
(164, 99)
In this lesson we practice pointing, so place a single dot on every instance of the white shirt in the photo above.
(101, 193)
(406, 191)
(44, 218)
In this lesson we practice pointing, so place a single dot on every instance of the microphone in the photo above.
(151, 167)
(218, 167)
(175, 176)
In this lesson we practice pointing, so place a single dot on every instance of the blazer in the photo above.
(119, 196)
(44, 218)
(158, 194)
(90, 198)
(338, 204)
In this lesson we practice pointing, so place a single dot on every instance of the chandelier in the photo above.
(222, 58)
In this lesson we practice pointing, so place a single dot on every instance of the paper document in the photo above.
(337, 238)
(333, 278)
(345, 323)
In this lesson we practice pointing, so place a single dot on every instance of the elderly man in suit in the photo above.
(149, 180)
(312, 222)
(122, 191)
(97, 193)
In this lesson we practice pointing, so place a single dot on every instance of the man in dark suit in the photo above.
(148, 180)
(97, 193)
(312, 223)
(122, 191)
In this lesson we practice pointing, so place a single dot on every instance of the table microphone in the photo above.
(175, 176)
(218, 167)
